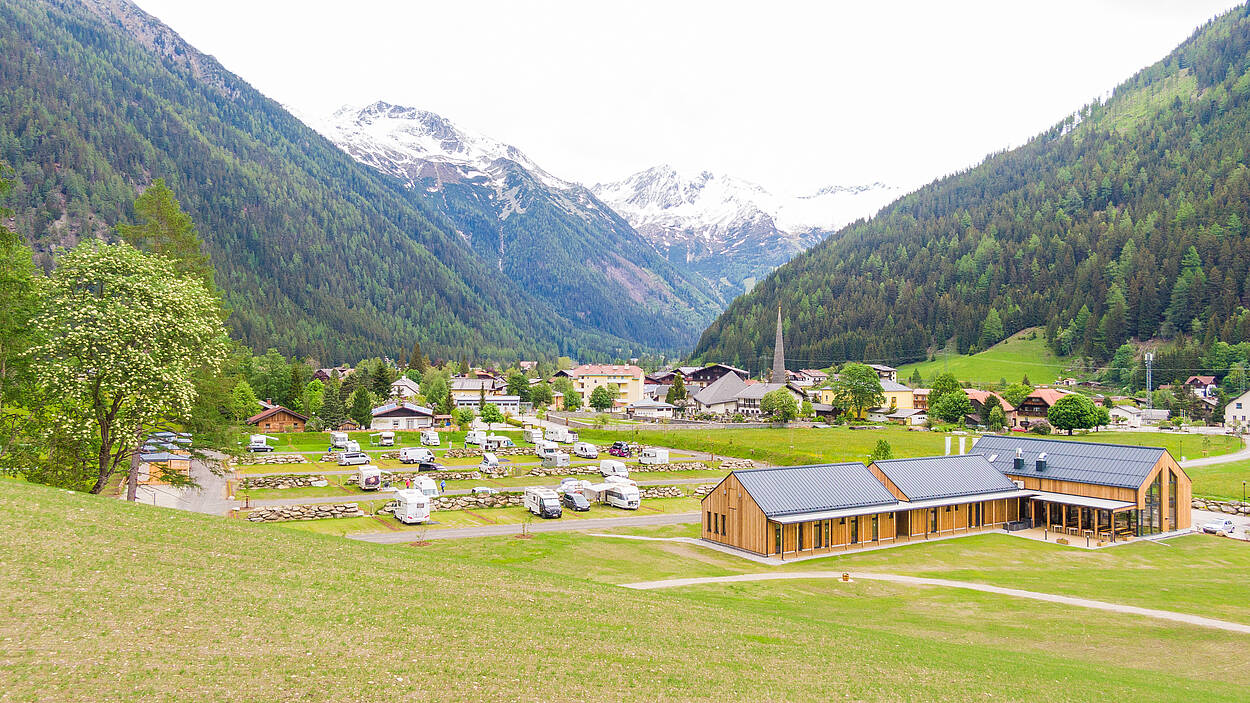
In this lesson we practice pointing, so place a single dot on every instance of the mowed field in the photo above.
(113, 601)
(810, 445)
(1013, 358)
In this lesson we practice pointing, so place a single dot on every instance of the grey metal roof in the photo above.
(757, 390)
(722, 390)
(786, 490)
(932, 477)
(893, 386)
(1096, 463)
(401, 409)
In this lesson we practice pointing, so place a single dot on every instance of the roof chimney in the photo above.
(1041, 462)
(1019, 460)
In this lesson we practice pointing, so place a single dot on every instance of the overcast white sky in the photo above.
(793, 95)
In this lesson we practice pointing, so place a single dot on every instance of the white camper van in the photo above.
(558, 460)
(586, 450)
(612, 467)
(371, 478)
(477, 437)
(653, 455)
(546, 449)
(382, 439)
(411, 506)
(415, 455)
(543, 502)
(429, 438)
(554, 434)
(496, 441)
(259, 443)
(426, 485)
(338, 440)
(533, 435)
(351, 446)
(622, 496)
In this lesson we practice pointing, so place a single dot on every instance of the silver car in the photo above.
(353, 458)
(1217, 526)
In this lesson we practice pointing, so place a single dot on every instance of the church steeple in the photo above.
(779, 354)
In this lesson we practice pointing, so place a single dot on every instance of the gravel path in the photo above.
(920, 581)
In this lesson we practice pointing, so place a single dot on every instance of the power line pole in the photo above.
(1150, 360)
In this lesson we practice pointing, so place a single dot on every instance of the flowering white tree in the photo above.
(125, 336)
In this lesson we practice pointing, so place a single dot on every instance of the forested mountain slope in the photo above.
(551, 236)
(1126, 220)
(316, 253)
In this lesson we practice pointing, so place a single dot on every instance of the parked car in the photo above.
(483, 491)
(430, 466)
(353, 458)
(575, 501)
(1217, 526)
(619, 448)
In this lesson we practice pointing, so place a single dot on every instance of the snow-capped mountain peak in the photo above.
(419, 146)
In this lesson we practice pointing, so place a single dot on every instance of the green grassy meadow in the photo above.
(226, 610)
(1221, 480)
(1021, 354)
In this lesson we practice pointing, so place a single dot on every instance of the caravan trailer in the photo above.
(371, 478)
(427, 486)
(558, 460)
(411, 506)
(546, 449)
(622, 496)
(382, 439)
(586, 450)
(533, 435)
(543, 502)
(653, 456)
(490, 462)
(496, 441)
(338, 440)
(429, 438)
(477, 437)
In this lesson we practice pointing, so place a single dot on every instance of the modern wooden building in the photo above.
(1076, 488)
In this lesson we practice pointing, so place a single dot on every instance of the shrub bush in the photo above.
(1040, 428)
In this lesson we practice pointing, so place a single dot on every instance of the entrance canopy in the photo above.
(1083, 501)
(901, 505)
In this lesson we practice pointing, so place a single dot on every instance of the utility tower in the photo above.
(1150, 361)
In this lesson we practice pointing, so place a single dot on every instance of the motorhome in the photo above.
(612, 467)
(559, 460)
(338, 440)
(586, 450)
(562, 435)
(495, 441)
(411, 506)
(259, 443)
(371, 478)
(430, 438)
(490, 462)
(351, 446)
(415, 455)
(382, 439)
(543, 502)
(623, 496)
(426, 485)
(477, 437)
(546, 448)
(652, 456)
(533, 435)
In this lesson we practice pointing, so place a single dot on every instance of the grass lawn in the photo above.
(227, 610)
(1221, 480)
(1180, 444)
(1012, 359)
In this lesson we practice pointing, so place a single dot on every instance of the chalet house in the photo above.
(324, 375)
(748, 399)
(1078, 489)
(1036, 405)
(885, 373)
(405, 387)
(980, 415)
(815, 376)
(527, 365)
(401, 416)
(659, 378)
(278, 419)
(1203, 386)
(1237, 412)
(702, 377)
(464, 388)
(920, 398)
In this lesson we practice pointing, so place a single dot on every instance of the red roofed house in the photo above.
(1036, 405)
(1203, 386)
(278, 419)
(978, 399)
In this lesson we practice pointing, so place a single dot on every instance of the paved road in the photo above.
(563, 525)
(1241, 521)
(920, 581)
